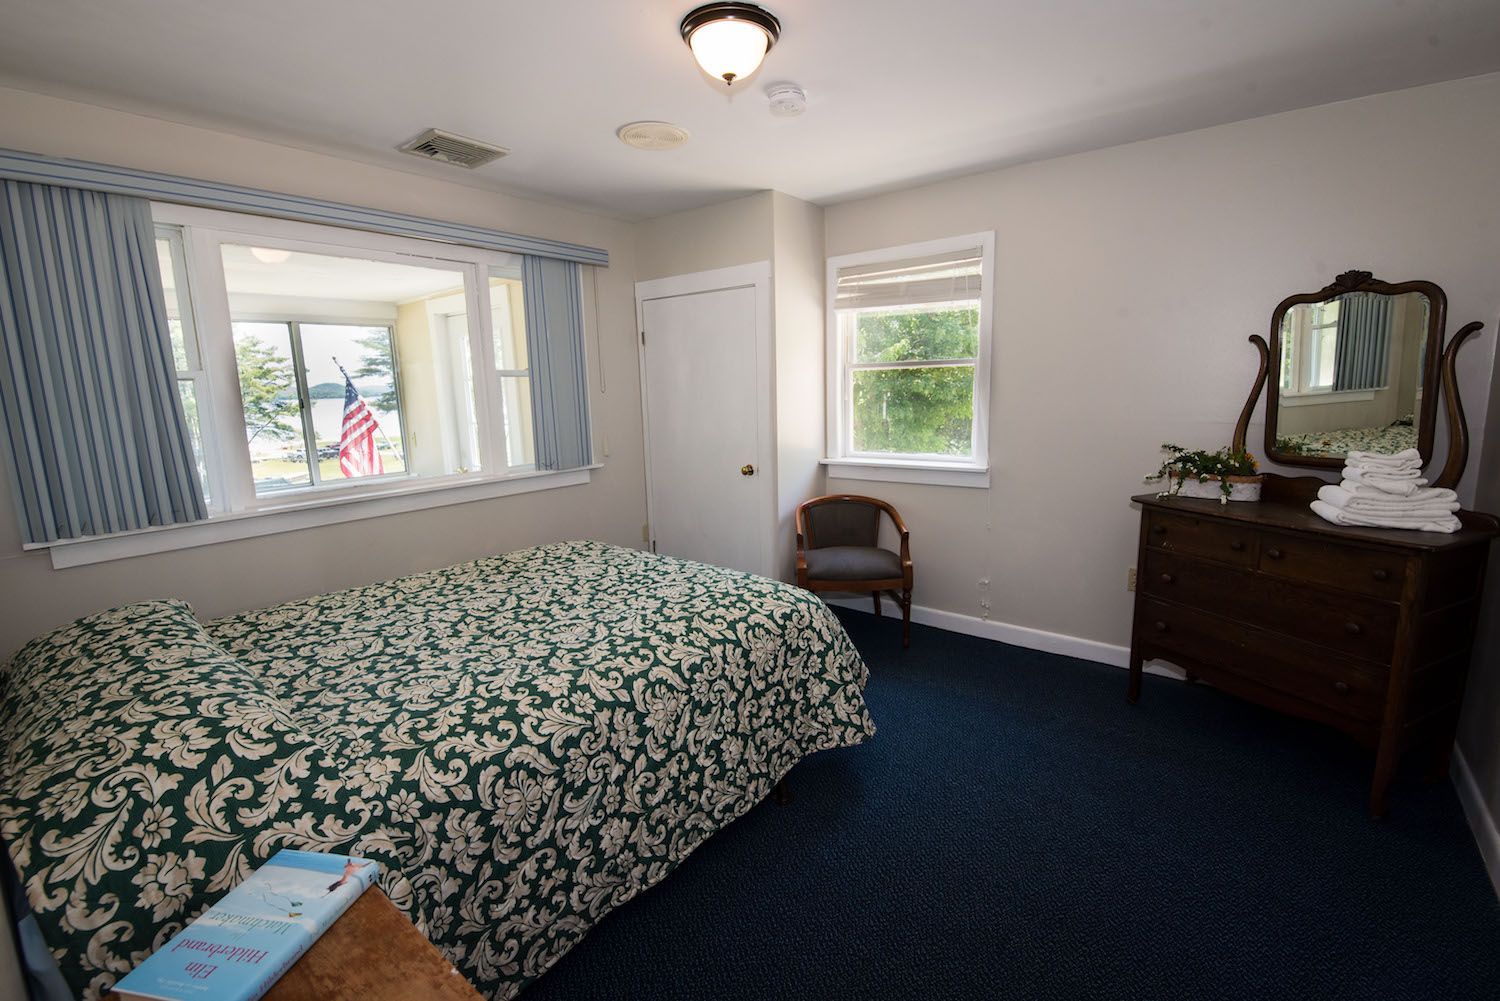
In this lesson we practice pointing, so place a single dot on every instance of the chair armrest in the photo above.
(901, 528)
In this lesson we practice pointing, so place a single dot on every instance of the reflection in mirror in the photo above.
(1351, 374)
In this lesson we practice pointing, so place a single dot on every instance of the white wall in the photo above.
(788, 232)
(1479, 729)
(1130, 278)
(797, 270)
(250, 573)
(715, 236)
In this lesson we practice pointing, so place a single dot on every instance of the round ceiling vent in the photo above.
(652, 135)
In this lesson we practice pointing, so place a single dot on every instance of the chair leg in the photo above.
(906, 619)
(876, 596)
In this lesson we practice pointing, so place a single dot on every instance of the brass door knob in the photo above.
(747, 470)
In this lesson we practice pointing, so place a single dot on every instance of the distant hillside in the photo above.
(335, 390)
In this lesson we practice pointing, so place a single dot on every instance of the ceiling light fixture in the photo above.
(270, 255)
(729, 40)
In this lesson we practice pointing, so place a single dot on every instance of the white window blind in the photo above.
(954, 276)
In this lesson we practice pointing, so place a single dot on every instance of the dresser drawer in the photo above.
(1349, 623)
(1207, 537)
(1343, 685)
(1368, 571)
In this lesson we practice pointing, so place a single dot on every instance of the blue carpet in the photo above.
(1016, 830)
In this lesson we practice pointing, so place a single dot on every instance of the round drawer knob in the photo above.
(1353, 628)
(1161, 627)
(1237, 546)
(1167, 578)
(1274, 553)
(1381, 575)
(1342, 687)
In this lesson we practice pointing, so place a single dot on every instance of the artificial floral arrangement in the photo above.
(1235, 469)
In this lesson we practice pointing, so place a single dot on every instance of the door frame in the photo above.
(755, 276)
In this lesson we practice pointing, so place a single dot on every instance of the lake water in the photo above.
(328, 424)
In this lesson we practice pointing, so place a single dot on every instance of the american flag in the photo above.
(357, 455)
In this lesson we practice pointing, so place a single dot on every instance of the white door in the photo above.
(710, 498)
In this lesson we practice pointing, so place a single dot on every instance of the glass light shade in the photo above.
(729, 49)
(270, 255)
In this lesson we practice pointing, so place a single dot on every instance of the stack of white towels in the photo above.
(1387, 491)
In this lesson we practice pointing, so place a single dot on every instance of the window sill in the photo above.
(1327, 396)
(943, 474)
(306, 513)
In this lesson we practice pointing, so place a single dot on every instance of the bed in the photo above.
(1398, 436)
(525, 743)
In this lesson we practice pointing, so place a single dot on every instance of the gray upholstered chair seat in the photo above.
(853, 563)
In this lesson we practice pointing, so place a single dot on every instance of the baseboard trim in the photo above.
(1481, 821)
(1022, 636)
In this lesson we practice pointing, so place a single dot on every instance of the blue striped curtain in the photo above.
(95, 437)
(559, 374)
(1363, 350)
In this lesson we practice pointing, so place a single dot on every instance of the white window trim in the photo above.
(843, 463)
(205, 230)
(202, 231)
(892, 471)
(309, 513)
(1312, 396)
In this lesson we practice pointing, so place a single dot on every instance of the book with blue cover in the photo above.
(238, 948)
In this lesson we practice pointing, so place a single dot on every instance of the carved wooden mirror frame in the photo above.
(1438, 368)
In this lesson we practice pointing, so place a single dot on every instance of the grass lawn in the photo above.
(328, 469)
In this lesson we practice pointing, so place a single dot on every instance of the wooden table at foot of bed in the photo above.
(372, 953)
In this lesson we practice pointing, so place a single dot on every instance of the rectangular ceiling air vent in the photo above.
(448, 147)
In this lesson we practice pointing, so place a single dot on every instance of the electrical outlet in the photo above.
(1130, 578)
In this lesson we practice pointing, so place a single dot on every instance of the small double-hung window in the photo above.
(909, 331)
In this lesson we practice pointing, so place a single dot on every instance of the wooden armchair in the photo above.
(838, 549)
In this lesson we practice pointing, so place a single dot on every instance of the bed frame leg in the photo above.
(781, 793)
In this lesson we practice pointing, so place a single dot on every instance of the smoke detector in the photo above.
(449, 147)
(652, 135)
(787, 100)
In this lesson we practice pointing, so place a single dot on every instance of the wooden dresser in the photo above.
(1367, 630)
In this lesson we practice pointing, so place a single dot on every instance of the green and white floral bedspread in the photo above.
(525, 742)
(1395, 437)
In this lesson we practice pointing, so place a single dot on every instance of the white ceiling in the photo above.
(899, 91)
(323, 277)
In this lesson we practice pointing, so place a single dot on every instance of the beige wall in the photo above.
(716, 236)
(1134, 275)
(788, 232)
(1479, 729)
(245, 574)
(797, 268)
(419, 387)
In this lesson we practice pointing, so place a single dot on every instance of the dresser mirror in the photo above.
(1355, 368)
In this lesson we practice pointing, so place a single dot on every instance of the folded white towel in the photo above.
(1426, 495)
(1339, 516)
(1386, 458)
(1403, 484)
(1407, 458)
(1403, 469)
(1402, 507)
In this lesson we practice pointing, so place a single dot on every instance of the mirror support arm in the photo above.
(1242, 427)
(1458, 427)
